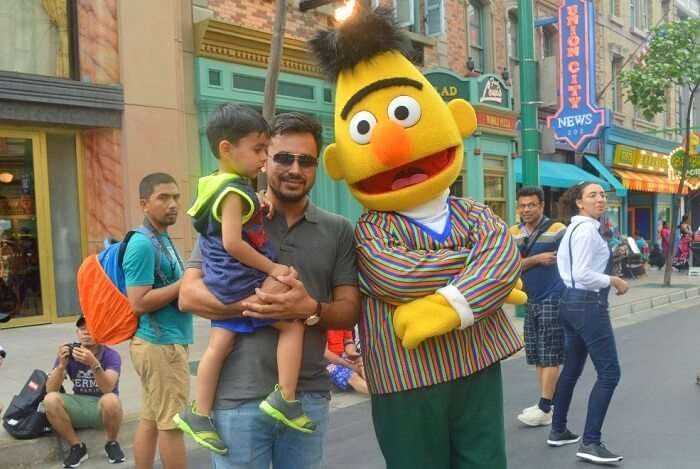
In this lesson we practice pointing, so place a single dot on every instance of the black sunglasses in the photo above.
(285, 158)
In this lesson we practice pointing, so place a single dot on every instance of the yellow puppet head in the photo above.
(398, 144)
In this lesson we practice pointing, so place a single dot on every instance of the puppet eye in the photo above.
(361, 126)
(405, 111)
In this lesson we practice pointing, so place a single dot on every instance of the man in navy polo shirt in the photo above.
(538, 239)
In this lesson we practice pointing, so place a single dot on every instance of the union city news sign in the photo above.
(578, 119)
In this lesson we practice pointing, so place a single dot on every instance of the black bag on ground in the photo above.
(24, 418)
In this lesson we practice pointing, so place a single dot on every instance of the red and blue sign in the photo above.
(579, 118)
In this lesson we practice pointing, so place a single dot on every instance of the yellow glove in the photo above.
(423, 318)
(517, 296)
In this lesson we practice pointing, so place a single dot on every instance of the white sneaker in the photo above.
(527, 410)
(536, 418)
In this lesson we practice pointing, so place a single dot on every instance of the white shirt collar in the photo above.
(585, 218)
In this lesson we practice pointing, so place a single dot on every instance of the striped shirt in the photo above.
(540, 281)
(400, 261)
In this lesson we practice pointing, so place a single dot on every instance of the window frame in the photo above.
(616, 89)
(513, 55)
(502, 173)
(440, 7)
(478, 10)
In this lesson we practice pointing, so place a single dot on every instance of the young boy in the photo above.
(237, 259)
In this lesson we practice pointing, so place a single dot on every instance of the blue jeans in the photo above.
(255, 440)
(587, 331)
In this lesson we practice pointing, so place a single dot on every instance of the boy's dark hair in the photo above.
(528, 191)
(149, 183)
(232, 122)
(297, 123)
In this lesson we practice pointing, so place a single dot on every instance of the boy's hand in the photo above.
(272, 285)
(266, 205)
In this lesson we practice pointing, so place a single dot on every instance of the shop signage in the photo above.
(494, 121)
(448, 86)
(493, 92)
(578, 118)
(636, 158)
(677, 163)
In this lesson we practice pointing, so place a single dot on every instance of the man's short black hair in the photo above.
(297, 123)
(529, 191)
(149, 183)
(232, 122)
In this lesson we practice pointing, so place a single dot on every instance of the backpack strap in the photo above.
(160, 279)
(542, 228)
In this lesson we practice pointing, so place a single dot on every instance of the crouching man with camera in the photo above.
(94, 371)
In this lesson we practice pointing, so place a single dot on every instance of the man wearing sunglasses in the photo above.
(319, 246)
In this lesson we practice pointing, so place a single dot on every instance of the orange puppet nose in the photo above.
(391, 144)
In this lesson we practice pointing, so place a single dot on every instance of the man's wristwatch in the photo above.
(97, 368)
(316, 317)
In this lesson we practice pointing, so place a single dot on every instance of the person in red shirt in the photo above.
(345, 362)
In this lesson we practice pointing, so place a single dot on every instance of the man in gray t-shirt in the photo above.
(319, 245)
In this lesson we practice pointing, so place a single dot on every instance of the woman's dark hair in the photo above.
(567, 201)
(664, 224)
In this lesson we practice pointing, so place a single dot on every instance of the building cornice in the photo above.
(48, 100)
(237, 44)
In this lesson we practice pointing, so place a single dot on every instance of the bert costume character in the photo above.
(434, 269)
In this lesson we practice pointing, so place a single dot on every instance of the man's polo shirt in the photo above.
(541, 281)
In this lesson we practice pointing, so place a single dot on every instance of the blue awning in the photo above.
(620, 190)
(563, 175)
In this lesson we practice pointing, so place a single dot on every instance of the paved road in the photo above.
(654, 419)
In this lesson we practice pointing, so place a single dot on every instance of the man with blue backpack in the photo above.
(159, 347)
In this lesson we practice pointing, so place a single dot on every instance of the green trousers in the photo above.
(453, 425)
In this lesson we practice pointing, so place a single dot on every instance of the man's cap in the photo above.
(80, 322)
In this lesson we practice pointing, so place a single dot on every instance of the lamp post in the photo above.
(529, 133)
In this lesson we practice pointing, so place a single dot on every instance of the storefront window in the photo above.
(495, 185)
(20, 285)
(35, 37)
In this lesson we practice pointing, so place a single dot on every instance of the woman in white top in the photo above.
(585, 263)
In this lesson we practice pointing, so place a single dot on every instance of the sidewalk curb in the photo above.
(655, 302)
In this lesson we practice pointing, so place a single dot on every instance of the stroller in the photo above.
(631, 260)
(682, 257)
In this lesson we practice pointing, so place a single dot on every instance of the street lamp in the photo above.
(345, 12)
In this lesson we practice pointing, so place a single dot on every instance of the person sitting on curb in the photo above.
(94, 370)
(344, 362)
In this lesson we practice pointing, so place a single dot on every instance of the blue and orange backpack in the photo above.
(102, 290)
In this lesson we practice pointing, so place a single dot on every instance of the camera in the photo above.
(71, 346)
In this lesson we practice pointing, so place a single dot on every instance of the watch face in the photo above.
(312, 320)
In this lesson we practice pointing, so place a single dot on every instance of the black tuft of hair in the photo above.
(362, 36)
